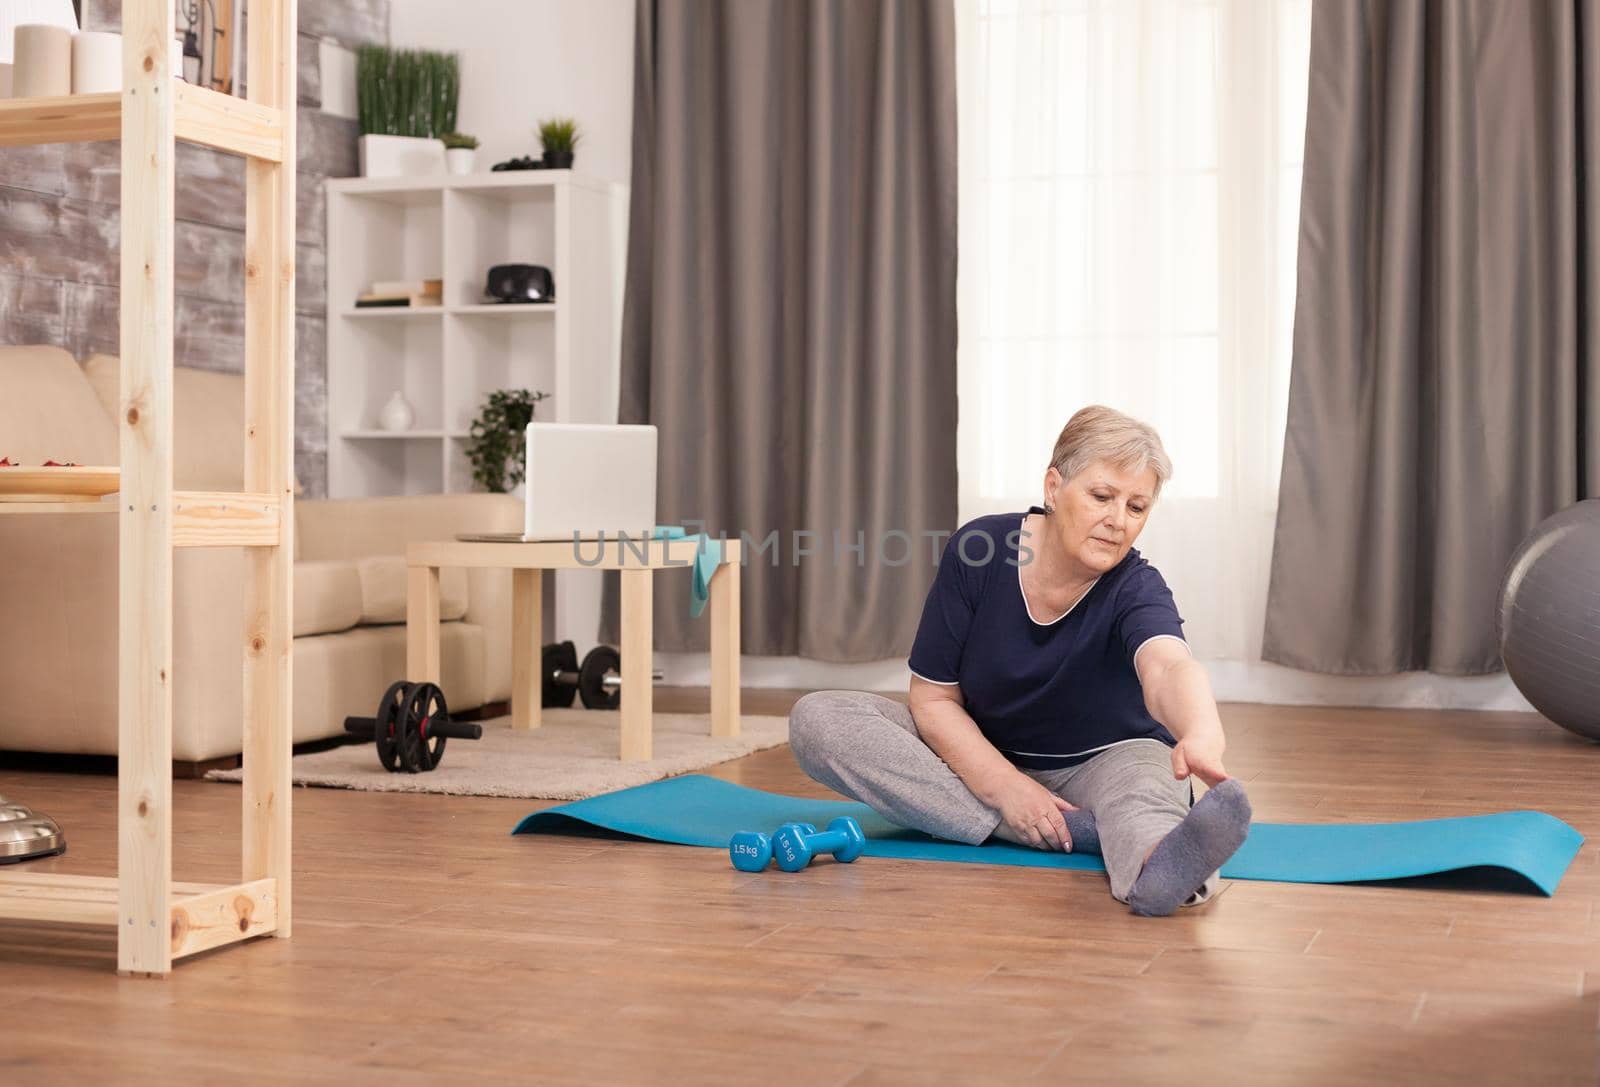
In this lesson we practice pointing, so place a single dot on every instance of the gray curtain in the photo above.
(1445, 394)
(789, 322)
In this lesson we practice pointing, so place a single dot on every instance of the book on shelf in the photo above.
(380, 301)
(408, 286)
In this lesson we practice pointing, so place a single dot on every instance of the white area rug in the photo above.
(574, 755)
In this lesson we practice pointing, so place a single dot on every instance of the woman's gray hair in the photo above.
(1101, 433)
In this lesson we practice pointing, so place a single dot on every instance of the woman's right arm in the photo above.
(1030, 811)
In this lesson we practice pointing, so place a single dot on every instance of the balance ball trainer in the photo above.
(1550, 618)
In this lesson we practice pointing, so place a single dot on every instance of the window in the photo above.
(1130, 174)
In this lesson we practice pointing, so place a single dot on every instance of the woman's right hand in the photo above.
(1030, 814)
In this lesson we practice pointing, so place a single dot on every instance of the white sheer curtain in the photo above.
(1129, 206)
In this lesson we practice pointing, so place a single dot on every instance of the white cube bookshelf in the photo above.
(446, 359)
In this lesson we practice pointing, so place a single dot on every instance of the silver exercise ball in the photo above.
(1550, 618)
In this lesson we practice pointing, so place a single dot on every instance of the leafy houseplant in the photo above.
(459, 141)
(560, 137)
(404, 96)
(495, 446)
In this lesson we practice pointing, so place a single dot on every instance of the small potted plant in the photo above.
(405, 100)
(560, 137)
(495, 443)
(460, 150)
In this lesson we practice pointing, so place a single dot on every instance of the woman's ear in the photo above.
(1052, 484)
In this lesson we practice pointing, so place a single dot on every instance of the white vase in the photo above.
(400, 156)
(397, 413)
(460, 159)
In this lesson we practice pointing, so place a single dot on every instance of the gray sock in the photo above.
(1211, 832)
(1080, 826)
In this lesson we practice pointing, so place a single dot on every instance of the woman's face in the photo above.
(1099, 512)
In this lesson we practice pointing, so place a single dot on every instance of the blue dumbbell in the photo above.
(795, 846)
(751, 850)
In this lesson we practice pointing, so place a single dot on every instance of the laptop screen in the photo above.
(589, 479)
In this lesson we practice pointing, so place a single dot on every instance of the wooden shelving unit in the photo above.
(159, 920)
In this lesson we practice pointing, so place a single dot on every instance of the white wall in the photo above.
(526, 60)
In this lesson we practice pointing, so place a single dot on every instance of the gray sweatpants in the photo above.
(867, 747)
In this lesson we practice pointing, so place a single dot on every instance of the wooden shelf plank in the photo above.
(223, 915)
(67, 119)
(202, 518)
(70, 899)
(57, 507)
(202, 915)
(203, 116)
(65, 881)
(227, 123)
(225, 519)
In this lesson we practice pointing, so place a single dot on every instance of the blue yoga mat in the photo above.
(704, 811)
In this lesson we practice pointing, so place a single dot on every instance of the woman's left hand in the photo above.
(1200, 754)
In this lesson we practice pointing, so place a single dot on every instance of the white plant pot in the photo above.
(400, 156)
(460, 159)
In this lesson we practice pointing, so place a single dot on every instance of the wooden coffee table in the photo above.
(639, 561)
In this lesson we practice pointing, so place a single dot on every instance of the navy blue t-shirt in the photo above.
(1045, 694)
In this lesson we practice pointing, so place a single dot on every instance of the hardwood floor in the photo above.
(430, 946)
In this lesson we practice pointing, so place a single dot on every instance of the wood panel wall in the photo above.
(59, 235)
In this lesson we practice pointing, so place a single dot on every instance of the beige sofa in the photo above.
(58, 580)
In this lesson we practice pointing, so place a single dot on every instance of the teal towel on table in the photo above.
(706, 560)
(703, 811)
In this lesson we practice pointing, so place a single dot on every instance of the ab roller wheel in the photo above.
(411, 727)
(413, 723)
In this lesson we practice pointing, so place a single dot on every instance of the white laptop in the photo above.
(586, 478)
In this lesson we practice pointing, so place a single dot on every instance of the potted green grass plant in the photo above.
(496, 443)
(405, 101)
(460, 151)
(560, 137)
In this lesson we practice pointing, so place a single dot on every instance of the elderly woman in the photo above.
(1053, 702)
